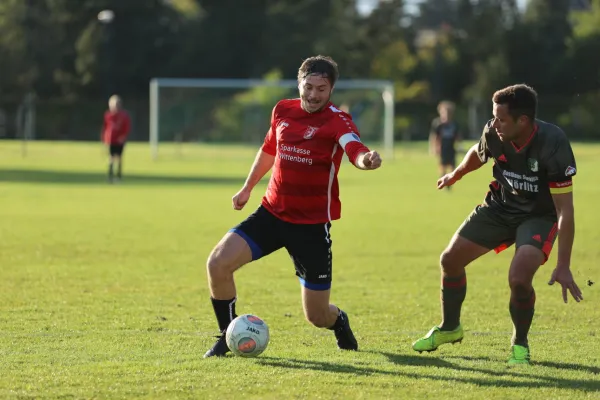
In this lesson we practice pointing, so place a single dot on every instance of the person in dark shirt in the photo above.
(444, 137)
(529, 202)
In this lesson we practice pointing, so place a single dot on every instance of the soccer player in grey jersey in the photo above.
(530, 201)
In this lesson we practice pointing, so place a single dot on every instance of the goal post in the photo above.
(384, 92)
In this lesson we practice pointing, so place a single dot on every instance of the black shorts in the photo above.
(309, 245)
(116, 149)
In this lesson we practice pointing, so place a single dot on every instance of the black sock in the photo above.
(339, 322)
(521, 312)
(454, 291)
(110, 170)
(224, 311)
(119, 169)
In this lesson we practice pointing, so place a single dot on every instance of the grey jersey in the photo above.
(523, 175)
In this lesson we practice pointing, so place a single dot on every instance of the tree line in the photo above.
(460, 50)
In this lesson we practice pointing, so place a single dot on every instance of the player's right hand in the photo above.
(240, 199)
(447, 180)
(372, 160)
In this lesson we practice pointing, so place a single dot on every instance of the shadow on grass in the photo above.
(98, 178)
(575, 367)
(590, 369)
(510, 378)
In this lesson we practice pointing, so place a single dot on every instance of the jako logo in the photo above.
(253, 330)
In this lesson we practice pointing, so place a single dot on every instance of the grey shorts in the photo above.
(493, 229)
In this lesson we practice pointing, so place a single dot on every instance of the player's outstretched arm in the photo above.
(566, 235)
(470, 163)
(262, 164)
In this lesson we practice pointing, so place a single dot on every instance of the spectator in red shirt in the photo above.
(304, 146)
(115, 130)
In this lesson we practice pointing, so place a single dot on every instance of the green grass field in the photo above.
(104, 290)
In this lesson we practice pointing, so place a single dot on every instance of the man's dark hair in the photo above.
(520, 99)
(320, 65)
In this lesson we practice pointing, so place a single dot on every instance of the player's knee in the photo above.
(448, 262)
(216, 264)
(520, 286)
(519, 282)
(212, 264)
(318, 318)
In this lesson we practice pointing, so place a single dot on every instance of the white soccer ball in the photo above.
(247, 336)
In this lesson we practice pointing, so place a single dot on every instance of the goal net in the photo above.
(239, 110)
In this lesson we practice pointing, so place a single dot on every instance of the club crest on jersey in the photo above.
(533, 164)
(310, 132)
(570, 171)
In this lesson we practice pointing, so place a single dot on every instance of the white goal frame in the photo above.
(386, 88)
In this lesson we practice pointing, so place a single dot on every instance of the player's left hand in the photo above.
(565, 278)
(372, 160)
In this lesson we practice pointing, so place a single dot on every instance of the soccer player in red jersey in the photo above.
(115, 130)
(304, 146)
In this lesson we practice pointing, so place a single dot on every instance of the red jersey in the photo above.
(116, 127)
(308, 150)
